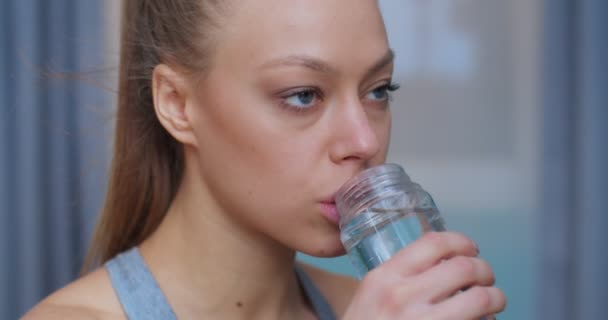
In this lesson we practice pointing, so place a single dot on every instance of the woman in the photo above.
(237, 122)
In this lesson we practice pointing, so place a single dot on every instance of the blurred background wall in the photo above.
(501, 116)
(55, 107)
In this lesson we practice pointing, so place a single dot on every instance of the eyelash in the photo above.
(388, 87)
(292, 93)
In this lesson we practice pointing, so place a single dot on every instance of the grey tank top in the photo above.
(142, 298)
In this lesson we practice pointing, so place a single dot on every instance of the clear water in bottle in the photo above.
(376, 235)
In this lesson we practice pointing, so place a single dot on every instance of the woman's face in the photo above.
(294, 104)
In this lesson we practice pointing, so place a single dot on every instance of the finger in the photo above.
(454, 274)
(429, 250)
(472, 304)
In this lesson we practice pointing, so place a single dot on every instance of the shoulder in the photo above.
(338, 289)
(90, 297)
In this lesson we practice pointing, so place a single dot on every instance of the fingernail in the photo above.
(476, 246)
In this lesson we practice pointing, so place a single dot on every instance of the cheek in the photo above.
(282, 171)
(252, 167)
(383, 134)
(387, 133)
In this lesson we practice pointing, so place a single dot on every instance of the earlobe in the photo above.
(170, 95)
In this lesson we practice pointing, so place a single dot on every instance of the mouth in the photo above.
(328, 204)
(329, 210)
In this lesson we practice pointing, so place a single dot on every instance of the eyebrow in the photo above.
(386, 60)
(319, 65)
(300, 61)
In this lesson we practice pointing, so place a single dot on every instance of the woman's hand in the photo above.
(424, 281)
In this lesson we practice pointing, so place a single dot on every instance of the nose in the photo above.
(355, 137)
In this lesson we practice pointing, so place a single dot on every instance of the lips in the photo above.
(329, 210)
(328, 205)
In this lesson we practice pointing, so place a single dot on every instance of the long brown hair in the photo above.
(148, 162)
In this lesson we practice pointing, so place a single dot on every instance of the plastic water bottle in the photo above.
(381, 211)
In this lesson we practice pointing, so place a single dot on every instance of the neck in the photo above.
(209, 264)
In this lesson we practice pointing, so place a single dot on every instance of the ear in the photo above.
(171, 93)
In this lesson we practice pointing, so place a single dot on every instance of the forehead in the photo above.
(338, 31)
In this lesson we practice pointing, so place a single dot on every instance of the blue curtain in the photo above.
(52, 146)
(574, 218)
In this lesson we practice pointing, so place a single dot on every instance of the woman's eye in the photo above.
(302, 99)
(381, 93)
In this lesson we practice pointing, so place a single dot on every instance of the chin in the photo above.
(338, 252)
(329, 247)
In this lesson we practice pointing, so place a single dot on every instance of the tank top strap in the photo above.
(136, 288)
(316, 298)
(141, 297)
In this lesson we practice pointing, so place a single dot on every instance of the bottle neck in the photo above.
(369, 187)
